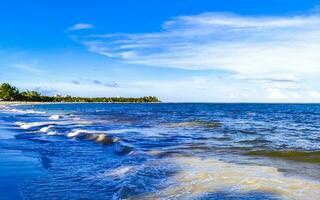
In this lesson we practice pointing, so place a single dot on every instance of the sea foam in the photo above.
(14, 110)
(28, 125)
(55, 117)
(46, 129)
(77, 132)
(197, 176)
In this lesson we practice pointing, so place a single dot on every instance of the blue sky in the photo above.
(178, 50)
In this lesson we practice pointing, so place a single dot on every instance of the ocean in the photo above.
(160, 151)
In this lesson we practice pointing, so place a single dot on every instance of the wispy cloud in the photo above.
(112, 84)
(80, 26)
(245, 45)
(75, 82)
(270, 78)
(28, 67)
(46, 90)
(195, 89)
(106, 84)
(280, 54)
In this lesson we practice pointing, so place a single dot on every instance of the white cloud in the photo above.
(80, 26)
(295, 95)
(231, 95)
(276, 94)
(269, 78)
(276, 54)
(192, 89)
(245, 45)
(314, 94)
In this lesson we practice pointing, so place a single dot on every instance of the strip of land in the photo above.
(10, 94)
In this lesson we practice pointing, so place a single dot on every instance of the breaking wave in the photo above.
(165, 151)
(28, 125)
(55, 117)
(28, 111)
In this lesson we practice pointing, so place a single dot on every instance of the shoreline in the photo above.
(4, 103)
(162, 102)
(9, 103)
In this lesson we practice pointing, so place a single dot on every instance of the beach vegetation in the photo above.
(11, 93)
(8, 92)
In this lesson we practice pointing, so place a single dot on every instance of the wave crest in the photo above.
(55, 117)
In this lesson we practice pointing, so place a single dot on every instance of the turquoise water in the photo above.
(165, 151)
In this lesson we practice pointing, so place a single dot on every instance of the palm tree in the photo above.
(8, 92)
(31, 96)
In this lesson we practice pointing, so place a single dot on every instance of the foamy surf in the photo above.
(77, 132)
(197, 177)
(47, 124)
(46, 129)
(135, 153)
(28, 125)
(53, 133)
(97, 136)
(55, 117)
(104, 139)
(29, 111)
(118, 172)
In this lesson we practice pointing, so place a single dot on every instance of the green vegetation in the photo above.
(8, 92)
(11, 93)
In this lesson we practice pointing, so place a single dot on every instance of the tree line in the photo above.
(11, 93)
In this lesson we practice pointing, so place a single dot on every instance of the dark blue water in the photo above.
(168, 151)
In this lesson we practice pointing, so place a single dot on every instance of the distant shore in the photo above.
(17, 102)
(4, 103)
(9, 93)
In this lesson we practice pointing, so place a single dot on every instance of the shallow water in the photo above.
(169, 151)
(15, 166)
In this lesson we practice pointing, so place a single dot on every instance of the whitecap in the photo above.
(119, 171)
(55, 117)
(25, 111)
(76, 132)
(104, 139)
(27, 125)
(52, 133)
(46, 129)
